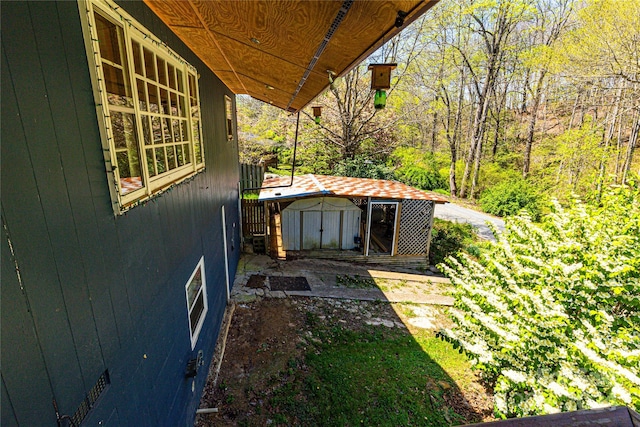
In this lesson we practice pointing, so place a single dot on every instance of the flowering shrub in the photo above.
(551, 312)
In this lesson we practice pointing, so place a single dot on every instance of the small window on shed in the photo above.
(196, 292)
(228, 104)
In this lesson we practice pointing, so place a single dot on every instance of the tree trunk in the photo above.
(633, 139)
(478, 133)
(476, 169)
(607, 143)
(434, 130)
(532, 125)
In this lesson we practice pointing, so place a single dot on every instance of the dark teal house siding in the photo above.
(84, 291)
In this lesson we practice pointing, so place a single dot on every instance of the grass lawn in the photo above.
(342, 371)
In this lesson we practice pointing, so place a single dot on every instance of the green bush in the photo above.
(362, 167)
(448, 238)
(551, 312)
(510, 197)
(424, 179)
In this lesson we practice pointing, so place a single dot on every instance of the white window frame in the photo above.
(152, 183)
(228, 112)
(195, 332)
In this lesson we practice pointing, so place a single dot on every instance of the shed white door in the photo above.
(320, 223)
(331, 230)
(311, 226)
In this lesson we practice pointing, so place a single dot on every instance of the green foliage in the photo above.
(362, 167)
(448, 238)
(372, 377)
(510, 197)
(551, 313)
(418, 169)
(355, 282)
(423, 179)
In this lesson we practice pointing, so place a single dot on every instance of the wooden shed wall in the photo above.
(82, 290)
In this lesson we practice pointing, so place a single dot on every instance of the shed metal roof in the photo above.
(321, 185)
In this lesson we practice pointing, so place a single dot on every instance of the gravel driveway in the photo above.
(456, 213)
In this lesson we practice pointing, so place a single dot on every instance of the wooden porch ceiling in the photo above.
(265, 48)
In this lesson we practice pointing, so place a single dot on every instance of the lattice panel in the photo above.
(415, 218)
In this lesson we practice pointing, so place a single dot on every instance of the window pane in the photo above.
(194, 287)
(171, 157)
(164, 99)
(229, 112)
(183, 112)
(151, 164)
(137, 58)
(195, 110)
(153, 98)
(162, 74)
(142, 95)
(118, 130)
(196, 311)
(166, 127)
(192, 86)
(180, 81)
(157, 130)
(127, 154)
(172, 76)
(183, 127)
(179, 155)
(109, 35)
(117, 92)
(176, 130)
(187, 153)
(174, 104)
(149, 65)
(146, 130)
(161, 164)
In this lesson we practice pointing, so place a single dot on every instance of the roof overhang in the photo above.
(281, 51)
(304, 186)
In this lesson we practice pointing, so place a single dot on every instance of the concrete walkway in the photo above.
(365, 282)
(457, 213)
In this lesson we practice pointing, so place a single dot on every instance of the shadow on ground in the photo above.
(323, 361)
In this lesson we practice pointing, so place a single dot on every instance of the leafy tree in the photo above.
(608, 40)
(424, 179)
(362, 167)
(417, 168)
(510, 197)
(551, 312)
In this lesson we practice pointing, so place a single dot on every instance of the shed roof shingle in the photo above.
(322, 185)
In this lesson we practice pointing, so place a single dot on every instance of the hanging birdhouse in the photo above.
(380, 81)
(381, 75)
(317, 113)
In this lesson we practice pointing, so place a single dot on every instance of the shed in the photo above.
(320, 223)
(320, 212)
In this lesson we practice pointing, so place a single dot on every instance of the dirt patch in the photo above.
(285, 283)
(256, 281)
(265, 353)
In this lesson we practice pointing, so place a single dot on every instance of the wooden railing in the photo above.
(253, 217)
(251, 176)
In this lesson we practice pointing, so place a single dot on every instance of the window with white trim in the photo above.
(197, 306)
(228, 107)
(149, 104)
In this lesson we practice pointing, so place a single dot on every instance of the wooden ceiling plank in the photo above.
(289, 29)
(195, 10)
(174, 13)
(289, 32)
